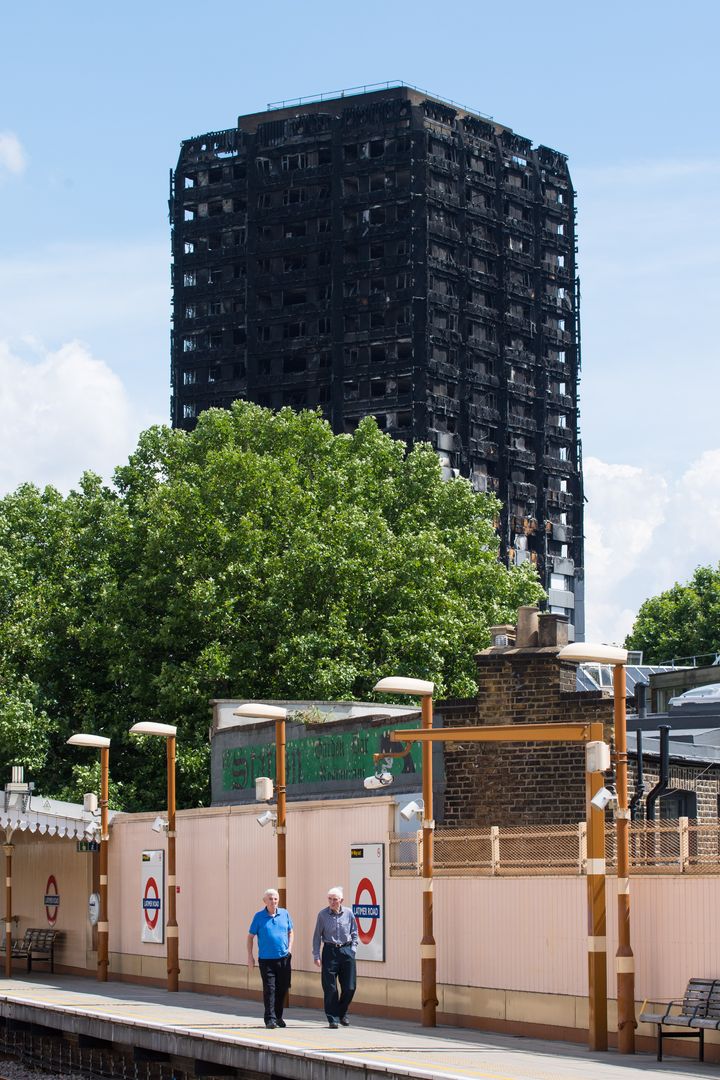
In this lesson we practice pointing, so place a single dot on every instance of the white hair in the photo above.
(269, 891)
(337, 890)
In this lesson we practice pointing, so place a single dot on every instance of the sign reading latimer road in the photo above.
(316, 758)
(367, 895)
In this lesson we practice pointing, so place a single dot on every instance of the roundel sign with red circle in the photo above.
(151, 903)
(366, 910)
(52, 900)
(367, 892)
(152, 897)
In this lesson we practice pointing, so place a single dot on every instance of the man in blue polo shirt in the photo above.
(273, 928)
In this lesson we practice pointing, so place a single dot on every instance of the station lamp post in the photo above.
(168, 732)
(258, 711)
(428, 962)
(584, 652)
(99, 742)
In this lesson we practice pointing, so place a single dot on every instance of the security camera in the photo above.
(265, 818)
(159, 824)
(92, 829)
(378, 780)
(411, 810)
(602, 799)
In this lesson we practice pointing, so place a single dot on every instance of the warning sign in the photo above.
(367, 895)
(152, 886)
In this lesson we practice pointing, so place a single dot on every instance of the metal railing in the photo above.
(353, 91)
(679, 846)
(708, 659)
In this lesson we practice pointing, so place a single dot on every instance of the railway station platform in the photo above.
(204, 1035)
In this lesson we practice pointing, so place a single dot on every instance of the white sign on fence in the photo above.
(152, 888)
(367, 897)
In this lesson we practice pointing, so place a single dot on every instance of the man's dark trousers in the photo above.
(275, 976)
(338, 965)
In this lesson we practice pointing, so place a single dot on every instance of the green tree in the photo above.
(683, 621)
(258, 556)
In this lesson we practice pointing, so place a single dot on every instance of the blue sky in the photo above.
(94, 102)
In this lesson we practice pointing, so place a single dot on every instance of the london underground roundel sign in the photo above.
(152, 897)
(52, 900)
(367, 894)
(151, 903)
(366, 909)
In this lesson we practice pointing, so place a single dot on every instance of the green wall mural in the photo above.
(314, 759)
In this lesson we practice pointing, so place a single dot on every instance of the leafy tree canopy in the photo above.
(682, 622)
(259, 556)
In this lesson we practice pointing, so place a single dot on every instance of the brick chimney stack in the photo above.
(521, 682)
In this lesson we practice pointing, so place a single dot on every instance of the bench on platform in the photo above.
(37, 944)
(698, 1011)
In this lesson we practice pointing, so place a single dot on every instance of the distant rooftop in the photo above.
(317, 711)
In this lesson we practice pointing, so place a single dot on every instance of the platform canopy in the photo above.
(48, 817)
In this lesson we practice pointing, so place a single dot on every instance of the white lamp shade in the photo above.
(151, 728)
(81, 739)
(586, 652)
(398, 685)
(262, 712)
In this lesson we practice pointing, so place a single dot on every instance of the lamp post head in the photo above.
(586, 652)
(257, 711)
(169, 731)
(81, 739)
(396, 684)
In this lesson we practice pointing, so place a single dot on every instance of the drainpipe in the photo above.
(662, 785)
(635, 811)
(641, 698)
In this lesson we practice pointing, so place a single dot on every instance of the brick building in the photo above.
(395, 255)
(522, 682)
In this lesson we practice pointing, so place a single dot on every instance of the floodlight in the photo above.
(159, 824)
(265, 818)
(255, 710)
(149, 727)
(586, 652)
(411, 810)
(92, 829)
(98, 741)
(400, 685)
(603, 798)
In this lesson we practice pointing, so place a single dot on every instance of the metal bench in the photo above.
(699, 1010)
(37, 944)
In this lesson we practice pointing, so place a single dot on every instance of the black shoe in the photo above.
(332, 1023)
(344, 1021)
(280, 1023)
(270, 1024)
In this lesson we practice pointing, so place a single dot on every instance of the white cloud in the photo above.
(114, 296)
(12, 156)
(643, 533)
(63, 412)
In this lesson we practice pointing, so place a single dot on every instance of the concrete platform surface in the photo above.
(230, 1030)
